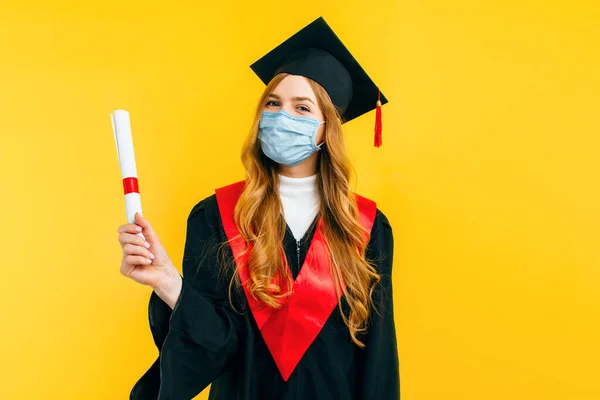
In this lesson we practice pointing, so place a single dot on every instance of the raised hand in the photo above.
(146, 261)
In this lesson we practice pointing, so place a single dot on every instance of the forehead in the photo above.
(294, 86)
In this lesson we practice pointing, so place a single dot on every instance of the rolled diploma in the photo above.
(123, 140)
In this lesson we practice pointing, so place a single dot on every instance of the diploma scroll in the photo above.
(122, 132)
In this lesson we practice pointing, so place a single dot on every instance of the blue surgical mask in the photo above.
(287, 139)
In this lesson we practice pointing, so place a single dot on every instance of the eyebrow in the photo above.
(293, 98)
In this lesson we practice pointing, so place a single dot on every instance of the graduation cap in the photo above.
(317, 53)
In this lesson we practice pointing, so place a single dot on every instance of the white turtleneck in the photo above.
(300, 200)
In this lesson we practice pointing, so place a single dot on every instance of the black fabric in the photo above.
(323, 68)
(206, 340)
(317, 53)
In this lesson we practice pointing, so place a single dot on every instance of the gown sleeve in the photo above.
(198, 338)
(381, 374)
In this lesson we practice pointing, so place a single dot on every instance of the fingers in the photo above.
(131, 249)
(130, 228)
(125, 238)
(136, 260)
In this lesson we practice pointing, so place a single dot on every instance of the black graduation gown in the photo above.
(205, 340)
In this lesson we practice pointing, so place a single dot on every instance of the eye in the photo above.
(304, 108)
(272, 103)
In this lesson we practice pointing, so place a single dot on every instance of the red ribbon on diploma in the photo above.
(130, 185)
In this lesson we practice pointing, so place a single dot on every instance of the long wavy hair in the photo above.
(260, 222)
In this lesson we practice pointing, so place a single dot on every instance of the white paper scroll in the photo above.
(123, 140)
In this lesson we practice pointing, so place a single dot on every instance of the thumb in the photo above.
(156, 247)
(147, 230)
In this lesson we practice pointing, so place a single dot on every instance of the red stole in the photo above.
(289, 330)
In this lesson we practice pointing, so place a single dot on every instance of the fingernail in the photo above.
(147, 245)
(138, 229)
(151, 255)
(148, 261)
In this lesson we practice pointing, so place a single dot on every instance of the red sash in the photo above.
(289, 330)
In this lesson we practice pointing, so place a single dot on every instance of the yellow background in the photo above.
(488, 172)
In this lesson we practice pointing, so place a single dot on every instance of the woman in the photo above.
(286, 288)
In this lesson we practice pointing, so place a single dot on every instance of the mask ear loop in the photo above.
(323, 142)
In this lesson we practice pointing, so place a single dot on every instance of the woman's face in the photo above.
(295, 96)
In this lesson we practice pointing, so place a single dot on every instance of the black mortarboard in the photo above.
(317, 53)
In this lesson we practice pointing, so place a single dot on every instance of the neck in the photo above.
(306, 168)
(300, 202)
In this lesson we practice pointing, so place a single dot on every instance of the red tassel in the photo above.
(378, 126)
